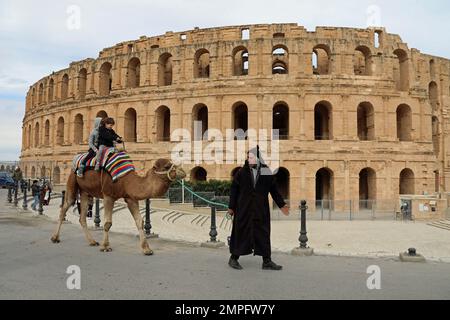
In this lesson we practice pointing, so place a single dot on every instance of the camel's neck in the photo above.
(149, 186)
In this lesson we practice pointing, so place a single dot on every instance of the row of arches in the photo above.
(41, 172)
(321, 62)
(323, 124)
(324, 182)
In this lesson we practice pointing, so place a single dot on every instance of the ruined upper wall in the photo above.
(262, 38)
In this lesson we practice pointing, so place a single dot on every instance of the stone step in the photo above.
(440, 224)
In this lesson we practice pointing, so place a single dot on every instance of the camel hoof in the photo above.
(106, 249)
(148, 252)
(94, 244)
(55, 239)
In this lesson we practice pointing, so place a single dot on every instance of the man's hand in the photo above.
(231, 212)
(285, 210)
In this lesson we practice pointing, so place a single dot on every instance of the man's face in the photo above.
(251, 159)
(109, 126)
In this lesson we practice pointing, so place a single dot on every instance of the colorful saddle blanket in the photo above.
(117, 164)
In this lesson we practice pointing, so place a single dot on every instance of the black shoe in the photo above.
(271, 266)
(234, 264)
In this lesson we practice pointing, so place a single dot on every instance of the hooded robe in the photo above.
(249, 201)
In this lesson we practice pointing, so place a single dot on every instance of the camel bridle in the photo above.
(167, 172)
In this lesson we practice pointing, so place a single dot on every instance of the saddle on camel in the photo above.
(117, 180)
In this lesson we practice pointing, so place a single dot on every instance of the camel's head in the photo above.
(168, 170)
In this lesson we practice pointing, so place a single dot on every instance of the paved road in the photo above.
(33, 268)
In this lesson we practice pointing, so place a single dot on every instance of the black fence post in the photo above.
(16, 189)
(213, 232)
(148, 223)
(303, 250)
(41, 207)
(24, 204)
(213, 243)
(9, 195)
(97, 213)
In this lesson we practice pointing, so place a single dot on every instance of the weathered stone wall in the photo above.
(387, 76)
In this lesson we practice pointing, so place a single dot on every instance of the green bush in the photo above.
(221, 188)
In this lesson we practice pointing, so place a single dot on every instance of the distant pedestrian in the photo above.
(35, 191)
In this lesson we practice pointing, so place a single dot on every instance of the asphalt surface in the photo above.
(31, 267)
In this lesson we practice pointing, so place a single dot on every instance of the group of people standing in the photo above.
(40, 190)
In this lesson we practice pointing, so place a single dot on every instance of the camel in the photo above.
(130, 187)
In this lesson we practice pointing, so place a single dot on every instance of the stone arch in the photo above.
(240, 120)
(406, 185)
(102, 114)
(367, 188)
(51, 90)
(29, 145)
(33, 97)
(134, 73)
(280, 59)
(282, 181)
(323, 121)
(64, 87)
(433, 95)
(165, 67)
(105, 79)
(33, 172)
(78, 129)
(240, 61)
(199, 174)
(60, 131)
(163, 123)
(362, 61)
(321, 60)
(200, 115)
(41, 94)
(366, 121)
(404, 123)
(201, 64)
(36, 135)
(324, 187)
(56, 175)
(280, 120)
(47, 133)
(435, 134)
(432, 69)
(401, 70)
(82, 80)
(130, 125)
(43, 172)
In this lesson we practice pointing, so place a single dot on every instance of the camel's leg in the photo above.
(84, 201)
(133, 206)
(108, 204)
(68, 202)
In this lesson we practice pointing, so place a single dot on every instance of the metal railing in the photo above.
(341, 210)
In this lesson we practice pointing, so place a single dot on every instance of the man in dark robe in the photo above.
(249, 205)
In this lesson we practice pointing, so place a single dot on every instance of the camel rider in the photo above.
(106, 138)
(93, 147)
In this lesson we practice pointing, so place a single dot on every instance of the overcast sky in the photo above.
(38, 37)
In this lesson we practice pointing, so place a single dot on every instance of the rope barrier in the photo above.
(206, 200)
